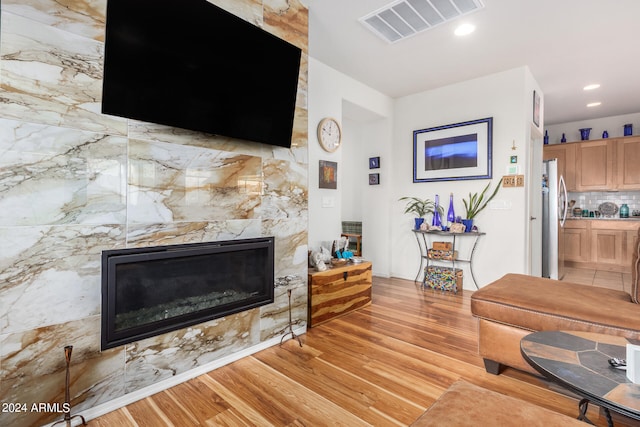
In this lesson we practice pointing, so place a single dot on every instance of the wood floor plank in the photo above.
(197, 399)
(177, 414)
(381, 365)
(340, 386)
(247, 411)
(287, 398)
(119, 418)
(148, 414)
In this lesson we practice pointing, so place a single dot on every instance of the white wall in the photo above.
(353, 169)
(386, 130)
(614, 125)
(507, 97)
(330, 93)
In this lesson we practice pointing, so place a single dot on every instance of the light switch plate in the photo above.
(328, 202)
(513, 169)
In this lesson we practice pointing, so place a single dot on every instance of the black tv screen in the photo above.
(193, 65)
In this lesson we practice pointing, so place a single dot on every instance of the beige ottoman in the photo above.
(465, 404)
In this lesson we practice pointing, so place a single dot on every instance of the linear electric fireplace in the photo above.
(154, 290)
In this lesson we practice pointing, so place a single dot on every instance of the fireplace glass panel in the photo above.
(149, 291)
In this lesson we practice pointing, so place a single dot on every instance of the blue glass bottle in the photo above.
(624, 211)
(546, 137)
(451, 214)
(436, 213)
(564, 139)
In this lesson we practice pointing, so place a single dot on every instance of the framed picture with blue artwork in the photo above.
(452, 152)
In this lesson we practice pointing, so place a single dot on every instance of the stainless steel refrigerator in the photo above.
(554, 215)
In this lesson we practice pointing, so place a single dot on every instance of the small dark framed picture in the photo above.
(374, 162)
(374, 178)
(514, 159)
(328, 174)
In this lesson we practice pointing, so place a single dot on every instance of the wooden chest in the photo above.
(338, 291)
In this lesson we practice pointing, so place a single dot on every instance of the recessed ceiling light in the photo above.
(464, 29)
(591, 86)
(593, 104)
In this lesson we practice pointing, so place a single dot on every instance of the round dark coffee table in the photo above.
(579, 361)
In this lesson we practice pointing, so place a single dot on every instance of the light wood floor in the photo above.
(383, 365)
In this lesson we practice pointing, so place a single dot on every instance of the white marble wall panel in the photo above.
(291, 245)
(291, 273)
(285, 193)
(287, 19)
(74, 182)
(158, 358)
(53, 175)
(52, 77)
(82, 17)
(182, 183)
(249, 10)
(95, 376)
(51, 274)
(161, 133)
(274, 318)
(141, 235)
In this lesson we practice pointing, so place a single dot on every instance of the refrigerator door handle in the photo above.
(562, 201)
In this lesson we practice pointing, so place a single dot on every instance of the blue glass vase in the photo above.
(437, 222)
(628, 129)
(584, 134)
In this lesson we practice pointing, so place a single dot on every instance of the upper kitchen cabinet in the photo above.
(600, 165)
(595, 165)
(627, 169)
(566, 155)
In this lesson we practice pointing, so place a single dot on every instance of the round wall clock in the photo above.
(329, 134)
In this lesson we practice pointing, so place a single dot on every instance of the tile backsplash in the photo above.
(591, 200)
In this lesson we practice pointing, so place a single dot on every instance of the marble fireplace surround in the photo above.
(74, 182)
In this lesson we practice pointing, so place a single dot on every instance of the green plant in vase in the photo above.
(420, 208)
(476, 204)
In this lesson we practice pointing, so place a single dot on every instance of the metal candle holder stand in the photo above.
(290, 325)
(67, 399)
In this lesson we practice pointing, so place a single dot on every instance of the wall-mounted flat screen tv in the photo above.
(193, 65)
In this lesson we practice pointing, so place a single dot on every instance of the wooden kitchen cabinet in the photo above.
(576, 241)
(599, 165)
(566, 155)
(632, 245)
(627, 169)
(608, 248)
(600, 244)
(595, 165)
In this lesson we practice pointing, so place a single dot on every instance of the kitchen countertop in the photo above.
(631, 218)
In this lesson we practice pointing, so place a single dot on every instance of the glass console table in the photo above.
(425, 239)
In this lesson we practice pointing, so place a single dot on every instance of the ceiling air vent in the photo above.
(405, 18)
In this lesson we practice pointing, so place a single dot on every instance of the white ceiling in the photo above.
(566, 44)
